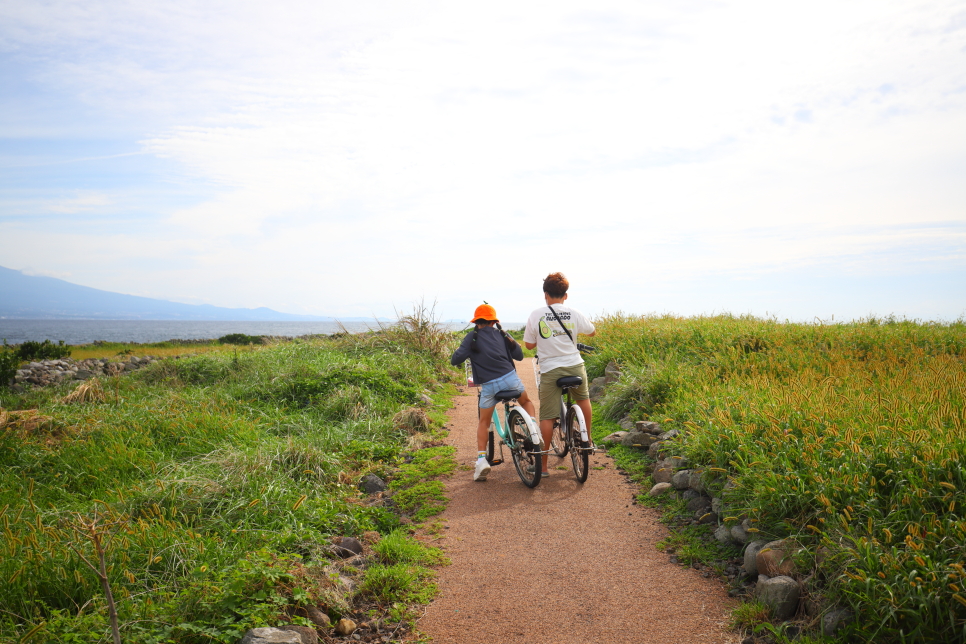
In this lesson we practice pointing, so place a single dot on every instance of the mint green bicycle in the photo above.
(518, 432)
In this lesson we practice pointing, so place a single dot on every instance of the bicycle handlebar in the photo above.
(585, 348)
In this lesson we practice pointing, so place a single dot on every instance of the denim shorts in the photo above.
(488, 390)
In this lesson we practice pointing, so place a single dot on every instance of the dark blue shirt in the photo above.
(493, 360)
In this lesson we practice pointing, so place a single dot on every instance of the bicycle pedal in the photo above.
(496, 461)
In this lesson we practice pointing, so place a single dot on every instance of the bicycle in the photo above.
(569, 429)
(518, 432)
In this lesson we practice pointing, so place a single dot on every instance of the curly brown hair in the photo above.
(555, 285)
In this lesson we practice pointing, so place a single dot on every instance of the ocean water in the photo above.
(142, 331)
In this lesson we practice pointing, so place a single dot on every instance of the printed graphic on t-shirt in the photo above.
(546, 331)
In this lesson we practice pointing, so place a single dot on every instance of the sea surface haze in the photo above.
(143, 331)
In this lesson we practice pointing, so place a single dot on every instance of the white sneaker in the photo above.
(482, 469)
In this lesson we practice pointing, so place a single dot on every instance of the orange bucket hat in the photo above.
(485, 312)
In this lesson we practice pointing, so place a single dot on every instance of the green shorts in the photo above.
(550, 392)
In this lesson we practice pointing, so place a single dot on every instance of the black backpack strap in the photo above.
(560, 322)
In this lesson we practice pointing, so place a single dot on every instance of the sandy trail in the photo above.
(561, 563)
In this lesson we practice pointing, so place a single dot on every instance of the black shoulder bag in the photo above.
(583, 348)
(560, 322)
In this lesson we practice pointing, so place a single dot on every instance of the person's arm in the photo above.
(462, 352)
(529, 334)
(587, 327)
(515, 350)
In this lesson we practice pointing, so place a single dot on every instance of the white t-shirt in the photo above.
(554, 347)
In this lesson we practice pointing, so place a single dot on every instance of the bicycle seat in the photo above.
(507, 394)
(569, 381)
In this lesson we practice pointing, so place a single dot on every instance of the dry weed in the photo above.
(90, 391)
(24, 421)
(412, 419)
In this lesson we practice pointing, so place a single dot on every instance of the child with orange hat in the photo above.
(491, 351)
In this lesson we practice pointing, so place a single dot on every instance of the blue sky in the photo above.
(790, 161)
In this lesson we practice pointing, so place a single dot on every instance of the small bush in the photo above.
(398, 583)
(241, 338)
(8, 365)
(45, 350)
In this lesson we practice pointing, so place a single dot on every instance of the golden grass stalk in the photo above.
(90, 391)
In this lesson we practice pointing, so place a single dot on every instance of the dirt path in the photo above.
(562, 563)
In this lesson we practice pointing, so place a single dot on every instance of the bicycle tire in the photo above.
(526, 455)
(558, 439)
(579, 452)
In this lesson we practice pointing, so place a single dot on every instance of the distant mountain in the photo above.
(29, 297)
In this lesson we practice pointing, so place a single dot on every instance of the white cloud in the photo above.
(81, 203)
(359, 157)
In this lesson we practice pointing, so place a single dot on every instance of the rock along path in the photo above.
(562, 563)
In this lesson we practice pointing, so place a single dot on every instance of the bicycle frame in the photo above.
(502, 428)
(566, 404)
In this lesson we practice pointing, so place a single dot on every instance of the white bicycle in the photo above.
(569, 429)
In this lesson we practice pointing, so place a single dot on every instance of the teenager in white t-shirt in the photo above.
(558, 353)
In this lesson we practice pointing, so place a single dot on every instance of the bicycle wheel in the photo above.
(579, 452)
(490, 446)
(558, 439)
(526, 455)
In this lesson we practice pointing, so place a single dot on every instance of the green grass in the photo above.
(844, 437)
(215, 483)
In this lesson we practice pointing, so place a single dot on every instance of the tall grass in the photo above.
(849, 438)
(217, 479)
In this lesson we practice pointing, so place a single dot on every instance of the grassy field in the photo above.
(848, 438)
(211, 487)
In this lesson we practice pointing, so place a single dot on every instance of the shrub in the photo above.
(8, 365)
(45, 350)
(241, 338)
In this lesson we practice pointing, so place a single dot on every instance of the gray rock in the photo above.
(612, 372)
(307, 635)
(835, 619)
(739, 534)
(654, 450)
(626, 423)
(680, 479)
(671, 433)
(270, 636)
(346, 547)
(648, 426)
(372, 484)
(708, 518)
(616, 437)
(781, 594)
(597, 387)
(662, 474)
(696, 480)
(751, 557)
(83, 374)
(717, 505)
(680, 462)
(699, 505)
(425, 399)
(723, 535)
(638, 439)
(659, 489)
(317, 617)
(690, 494)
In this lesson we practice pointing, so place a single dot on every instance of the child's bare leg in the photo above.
(546, 430)
(483, 429)
(588, 412)
(527, 404)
